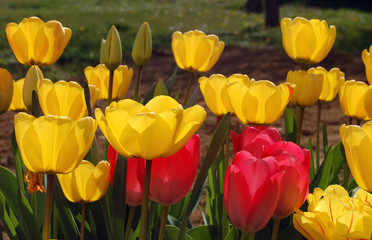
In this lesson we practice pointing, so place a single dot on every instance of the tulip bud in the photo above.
(142, 46)
(6, 90)
(111, 52)
(32, 80)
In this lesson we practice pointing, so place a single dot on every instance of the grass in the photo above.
(90, 21)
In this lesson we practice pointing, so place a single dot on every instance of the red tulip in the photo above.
(172, 177)
(253, 139)
(251, 190)
(134, 179)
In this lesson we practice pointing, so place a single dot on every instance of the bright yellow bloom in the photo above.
(358, 144)
(87, 183)
(352, 99)
(142, 46)
(308, 87)
(17, 100)
(307, 41)
(194, 51)
(65, 98)
(53, 144)
(367, 60)
(331, 82)
(99, 77)
(32, 81)
(332, 215)
(259, 102)
(6, 90)
(215, 94)
(158, 129)
(35, 42)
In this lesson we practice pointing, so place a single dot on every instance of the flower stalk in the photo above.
(138, 82)
(48, 203)
(188, 88)
(83, 211)
(318, 136)
(145, 200)
(274, 235)
(111, 82)
(300, 116)
(164, 214)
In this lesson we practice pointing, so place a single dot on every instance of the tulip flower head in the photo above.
(260, 102)
(331, 82)
(158, 129)
(111, 52)
(99, 77)
(194, 51)
(357, 142)
(214, 90)
(31, 83)
(352, 97)
(53, 144)
(251, 191)
(87, 183)
(35, 42)
(6, 90)
(308, 87)
(17, 103)
(367, 60)
(65, 98)
(307, 41)
(142, 46)
(332, 214)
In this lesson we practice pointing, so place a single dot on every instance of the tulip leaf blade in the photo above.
(213, 149)
(325, 139)
(204, 232)
(326, 171)
(198, 194)
(338, 160)
(18, 163)
(150, 94)
(290, 233)
(193, 97)
(118, 197)
(7, 218)
(161, 89)
(27, 217)
(290, 125)
(8, 187)
(171, 81)
(312, 171)
(171, 233)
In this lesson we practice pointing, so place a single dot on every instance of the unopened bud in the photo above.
(142, 46)
(111, 53)
(32, 80)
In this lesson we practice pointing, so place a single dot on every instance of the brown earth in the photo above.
(260, 64)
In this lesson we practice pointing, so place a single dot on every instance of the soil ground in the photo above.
(260, 64)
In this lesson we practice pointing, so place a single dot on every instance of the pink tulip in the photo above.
(251, 190)
(172, 177)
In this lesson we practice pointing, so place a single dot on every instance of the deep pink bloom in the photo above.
(251, 190)
(172, 177)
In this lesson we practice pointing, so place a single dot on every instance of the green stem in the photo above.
(300, 115)
(138, 82)
(129, 223)
(48, 203)
(318, 136)
(247, 236)
(188, 89)
(145, 200)
(82, 221)
(111, 83)
(164, 214)
(345, 184)
(274, 235)
(225, 225)
(55, 221)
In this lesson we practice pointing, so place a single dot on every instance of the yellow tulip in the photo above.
(99, 77)
(158, 129)
(332, 214)
(358, 144)
(32, 81)
(53, 144)
(307, 41)
(331, 82)
(17, 103)
(142, 46)
(194, 51)
(308, 87)
(259, 102)
(6, 90)
(367, 60)
(215, 94)
(352, 99)
(35, 42)
(87, 183)
(65, 98)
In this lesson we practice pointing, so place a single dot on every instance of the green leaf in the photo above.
(10, 223)
(352, 185)
(193, 97)
(177, 210)
(92, 224)
(205, 232)
(290, 125)
(150, 94)
(18, 163)
(8, 187)
(161, 89)
(118, 197)
(325, 139)
(326, 170)
(213, 149)
(171, 80)
(232, 234)
(87, 97)
(28, 218)
(338, 160)
(171, 233)
(197, 196)
(310, 148)
(290, 233)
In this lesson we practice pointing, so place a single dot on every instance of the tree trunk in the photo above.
(253, 6)
(272, 13)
